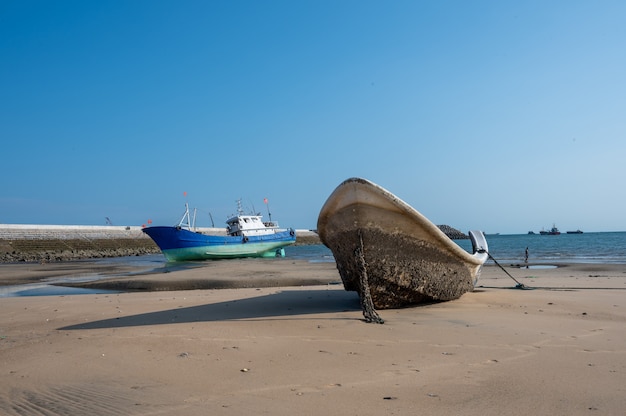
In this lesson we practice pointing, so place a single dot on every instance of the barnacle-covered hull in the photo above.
(388, 251)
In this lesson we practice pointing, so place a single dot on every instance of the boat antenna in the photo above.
(212, 223)
(269, 214)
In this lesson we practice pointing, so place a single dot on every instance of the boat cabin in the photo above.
(248, 225)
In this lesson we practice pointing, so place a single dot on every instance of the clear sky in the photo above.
(505, 116)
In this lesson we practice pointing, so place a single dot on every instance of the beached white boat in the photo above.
(246, 235)
(391, 254)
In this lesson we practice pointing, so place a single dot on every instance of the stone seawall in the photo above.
(50, 243)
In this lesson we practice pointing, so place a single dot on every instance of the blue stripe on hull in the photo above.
(179, 244)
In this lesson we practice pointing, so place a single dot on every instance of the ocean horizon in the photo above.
(591, 247)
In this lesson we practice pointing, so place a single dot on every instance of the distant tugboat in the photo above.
(575, 232)
(553, 231)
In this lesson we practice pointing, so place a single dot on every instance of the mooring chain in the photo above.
(519, 285)
(367, 304)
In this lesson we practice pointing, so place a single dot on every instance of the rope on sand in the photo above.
(564, 288)
(367, 304)
(519, 285)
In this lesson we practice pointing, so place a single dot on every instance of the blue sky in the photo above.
(501, 116)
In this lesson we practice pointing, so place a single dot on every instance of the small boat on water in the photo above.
(552, 231)
(391, 254)
(575, 232)
(245, 236)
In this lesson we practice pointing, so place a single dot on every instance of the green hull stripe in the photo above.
(263, 249)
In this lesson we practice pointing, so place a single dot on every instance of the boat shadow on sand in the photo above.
(290, 304)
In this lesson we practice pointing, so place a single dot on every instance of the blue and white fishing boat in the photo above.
(246, 235)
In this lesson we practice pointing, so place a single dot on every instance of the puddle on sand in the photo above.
(42, 289)
(534, 266)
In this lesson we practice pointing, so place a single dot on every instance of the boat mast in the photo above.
(269, 214)
(185, 220)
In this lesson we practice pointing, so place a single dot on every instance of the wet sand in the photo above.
(282, 337)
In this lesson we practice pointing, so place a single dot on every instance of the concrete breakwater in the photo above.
(50, 243)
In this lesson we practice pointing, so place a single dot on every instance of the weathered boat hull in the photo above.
(179, 244)
(405, 258)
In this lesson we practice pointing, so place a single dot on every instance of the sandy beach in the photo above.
(283, 337)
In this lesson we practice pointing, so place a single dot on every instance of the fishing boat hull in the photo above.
(180, 244)
(386, 250)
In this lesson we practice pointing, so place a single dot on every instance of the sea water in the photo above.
(605, 247)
